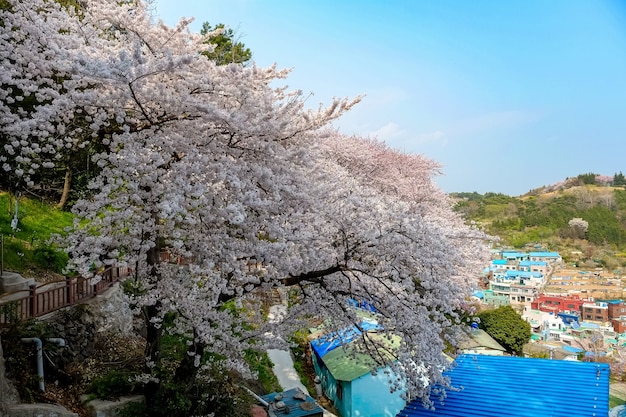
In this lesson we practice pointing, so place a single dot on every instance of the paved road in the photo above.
(283, 362)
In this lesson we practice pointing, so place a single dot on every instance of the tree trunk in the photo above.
(66, 188)
(154, 334)
(187, 369)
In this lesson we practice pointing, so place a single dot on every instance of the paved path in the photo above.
(282, 360)
(284, 370)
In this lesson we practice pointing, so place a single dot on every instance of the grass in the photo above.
(301, 362)
(261, 364)
(37, 221)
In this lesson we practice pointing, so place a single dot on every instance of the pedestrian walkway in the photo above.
(283, 362)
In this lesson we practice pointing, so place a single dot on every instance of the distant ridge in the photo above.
(582, 179)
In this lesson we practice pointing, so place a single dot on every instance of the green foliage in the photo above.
(27, 248)
(112, 385)
(213, 391)
(604, 226)
(261, 364)
(299, 348)
(619, 179)
(47, 258)
(227, 50)
(507, 327)
(133, 409)
(588, 178)
(545, 217)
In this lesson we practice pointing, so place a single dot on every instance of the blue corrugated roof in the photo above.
(506, 386)
(523, 274)
(545, 254)
(533, 263)
(513, 254)
(331, 341)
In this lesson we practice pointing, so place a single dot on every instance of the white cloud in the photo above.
(388, 132)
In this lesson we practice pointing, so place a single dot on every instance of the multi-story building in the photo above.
(598, 311)
(518, 286)
(523, 293)
(616, 309)
(559, 303)
(534, 266)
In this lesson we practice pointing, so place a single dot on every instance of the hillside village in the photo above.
(572, 312)
(577, 316)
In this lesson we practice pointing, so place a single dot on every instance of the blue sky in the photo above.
(507, 95)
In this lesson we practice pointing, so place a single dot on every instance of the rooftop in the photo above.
(507, 386)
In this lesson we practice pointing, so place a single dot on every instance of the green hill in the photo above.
(541, 219)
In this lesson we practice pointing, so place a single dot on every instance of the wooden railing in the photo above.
(40, 300)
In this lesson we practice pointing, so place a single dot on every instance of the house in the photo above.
(552, 350)
(545, 257)
(497, 299)
(478, 341)
(346, 374)
(508, 386)
(534, 266)
(514, 255)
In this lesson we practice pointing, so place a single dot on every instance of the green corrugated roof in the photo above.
(347, 364)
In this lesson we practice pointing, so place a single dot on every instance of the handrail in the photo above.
(74, 290)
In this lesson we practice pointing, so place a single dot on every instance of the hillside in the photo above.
(542, 219)
(26, 248)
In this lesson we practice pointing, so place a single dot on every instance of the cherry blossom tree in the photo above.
(579, 227)
(217, 165)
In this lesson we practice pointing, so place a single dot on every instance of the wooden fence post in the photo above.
(33, 300)
(69, 290)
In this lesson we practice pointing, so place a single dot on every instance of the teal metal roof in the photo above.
(506, 386)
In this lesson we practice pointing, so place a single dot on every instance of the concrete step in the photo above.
(38, 410)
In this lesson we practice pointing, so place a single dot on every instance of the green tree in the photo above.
(227, 50)
(619, 179)
(588, 178)
(507, 328)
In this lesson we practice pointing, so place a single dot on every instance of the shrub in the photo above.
(47, 258)
(112, 385)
